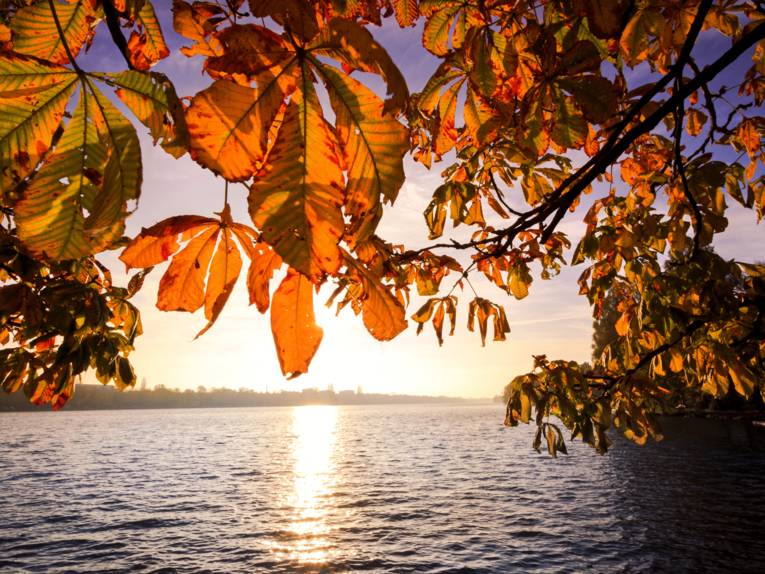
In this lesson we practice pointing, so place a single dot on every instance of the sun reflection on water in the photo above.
(314, 479)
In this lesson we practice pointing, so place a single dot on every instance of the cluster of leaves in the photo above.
(59, 319)
(535, 104)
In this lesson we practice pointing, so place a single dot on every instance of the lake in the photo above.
(418, 488)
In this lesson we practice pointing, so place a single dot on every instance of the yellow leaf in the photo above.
(373, 144)
(224, 271)
(77, 202)
(519, 281)
(33, 99)
(295, 200)
(355, 47)
(296, 334)
(152, 98)
(35, 32)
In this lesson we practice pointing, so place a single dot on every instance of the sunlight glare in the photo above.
(314, 478)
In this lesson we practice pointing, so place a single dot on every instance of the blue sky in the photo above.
(238, 351)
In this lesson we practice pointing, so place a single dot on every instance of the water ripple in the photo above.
(396, 489)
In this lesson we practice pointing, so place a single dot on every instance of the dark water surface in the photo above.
(367, 489)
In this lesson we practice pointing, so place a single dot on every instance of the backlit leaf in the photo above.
(374, 145)
(147, 46)
(35, 32)
(295, 200)
(77, 203)
(33, 97)
(296, 334)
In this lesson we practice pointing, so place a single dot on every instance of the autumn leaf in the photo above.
(264, 262)
(407, 12)
(197, 22)
(481, 310)
(34, 97)
(355, 48)
(202, 272)
(436, 309)
(77, 202)
(296, 334)
(295, 200)
(152, 98)
(373, 145)
(35, 32)
(147, 46)
(383, 315)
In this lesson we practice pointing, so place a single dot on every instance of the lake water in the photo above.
(367, 489)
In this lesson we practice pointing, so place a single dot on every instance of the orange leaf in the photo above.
(182, 287)
(224, 271)
(296, 199)
(228, 125)
(157, 243)
(296, 334)
(264, 262)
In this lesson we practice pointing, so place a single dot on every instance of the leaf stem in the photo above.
(62, 37)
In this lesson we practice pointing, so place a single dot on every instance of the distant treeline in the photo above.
(98, 397)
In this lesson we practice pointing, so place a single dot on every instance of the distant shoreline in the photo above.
(89, 397)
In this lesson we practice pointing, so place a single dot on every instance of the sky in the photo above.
(238, 352)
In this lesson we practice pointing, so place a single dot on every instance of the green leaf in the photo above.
(76, 204)
(152, 98)
(33, 98)
(35, 32)
(373, 145)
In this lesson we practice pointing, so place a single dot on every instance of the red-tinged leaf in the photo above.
(293, 324)
(147, 46)
(160, 241)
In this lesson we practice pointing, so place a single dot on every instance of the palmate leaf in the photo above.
(35, 32)
(295, 200)
(293, 324)
(374, 145)
(204, 271)
(33, 99)
(76, 203)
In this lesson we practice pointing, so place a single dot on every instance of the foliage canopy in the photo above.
(537, 104)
